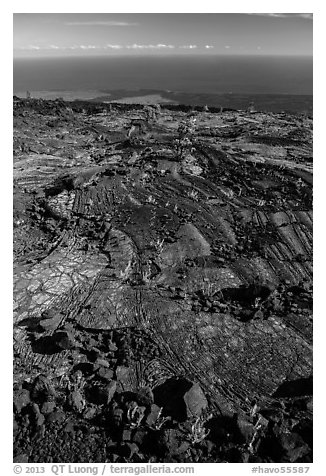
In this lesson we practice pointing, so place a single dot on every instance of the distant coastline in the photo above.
(264, 102)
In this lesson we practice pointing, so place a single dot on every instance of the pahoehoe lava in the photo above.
(162, 284)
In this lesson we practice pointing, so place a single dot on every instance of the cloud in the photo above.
(28, 47)
(108, 46)
(306, 16)
(99, 23)
(227, 47)
(56, 47)
(142, 47)
(113, 47)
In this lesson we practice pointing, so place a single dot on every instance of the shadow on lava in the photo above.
(169, 395)
(45, 345)
(30, 323)
(246, 294)
(295, 388)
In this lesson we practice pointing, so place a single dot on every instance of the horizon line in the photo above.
(156, 55)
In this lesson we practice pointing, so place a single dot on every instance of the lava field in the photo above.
(162, 284)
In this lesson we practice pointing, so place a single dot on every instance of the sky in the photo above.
(90, 34)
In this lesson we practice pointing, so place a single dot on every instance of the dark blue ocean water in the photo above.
(206, 74)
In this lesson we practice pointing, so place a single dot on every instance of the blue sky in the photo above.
(82, 34)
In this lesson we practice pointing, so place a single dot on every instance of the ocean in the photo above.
(90, 77)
